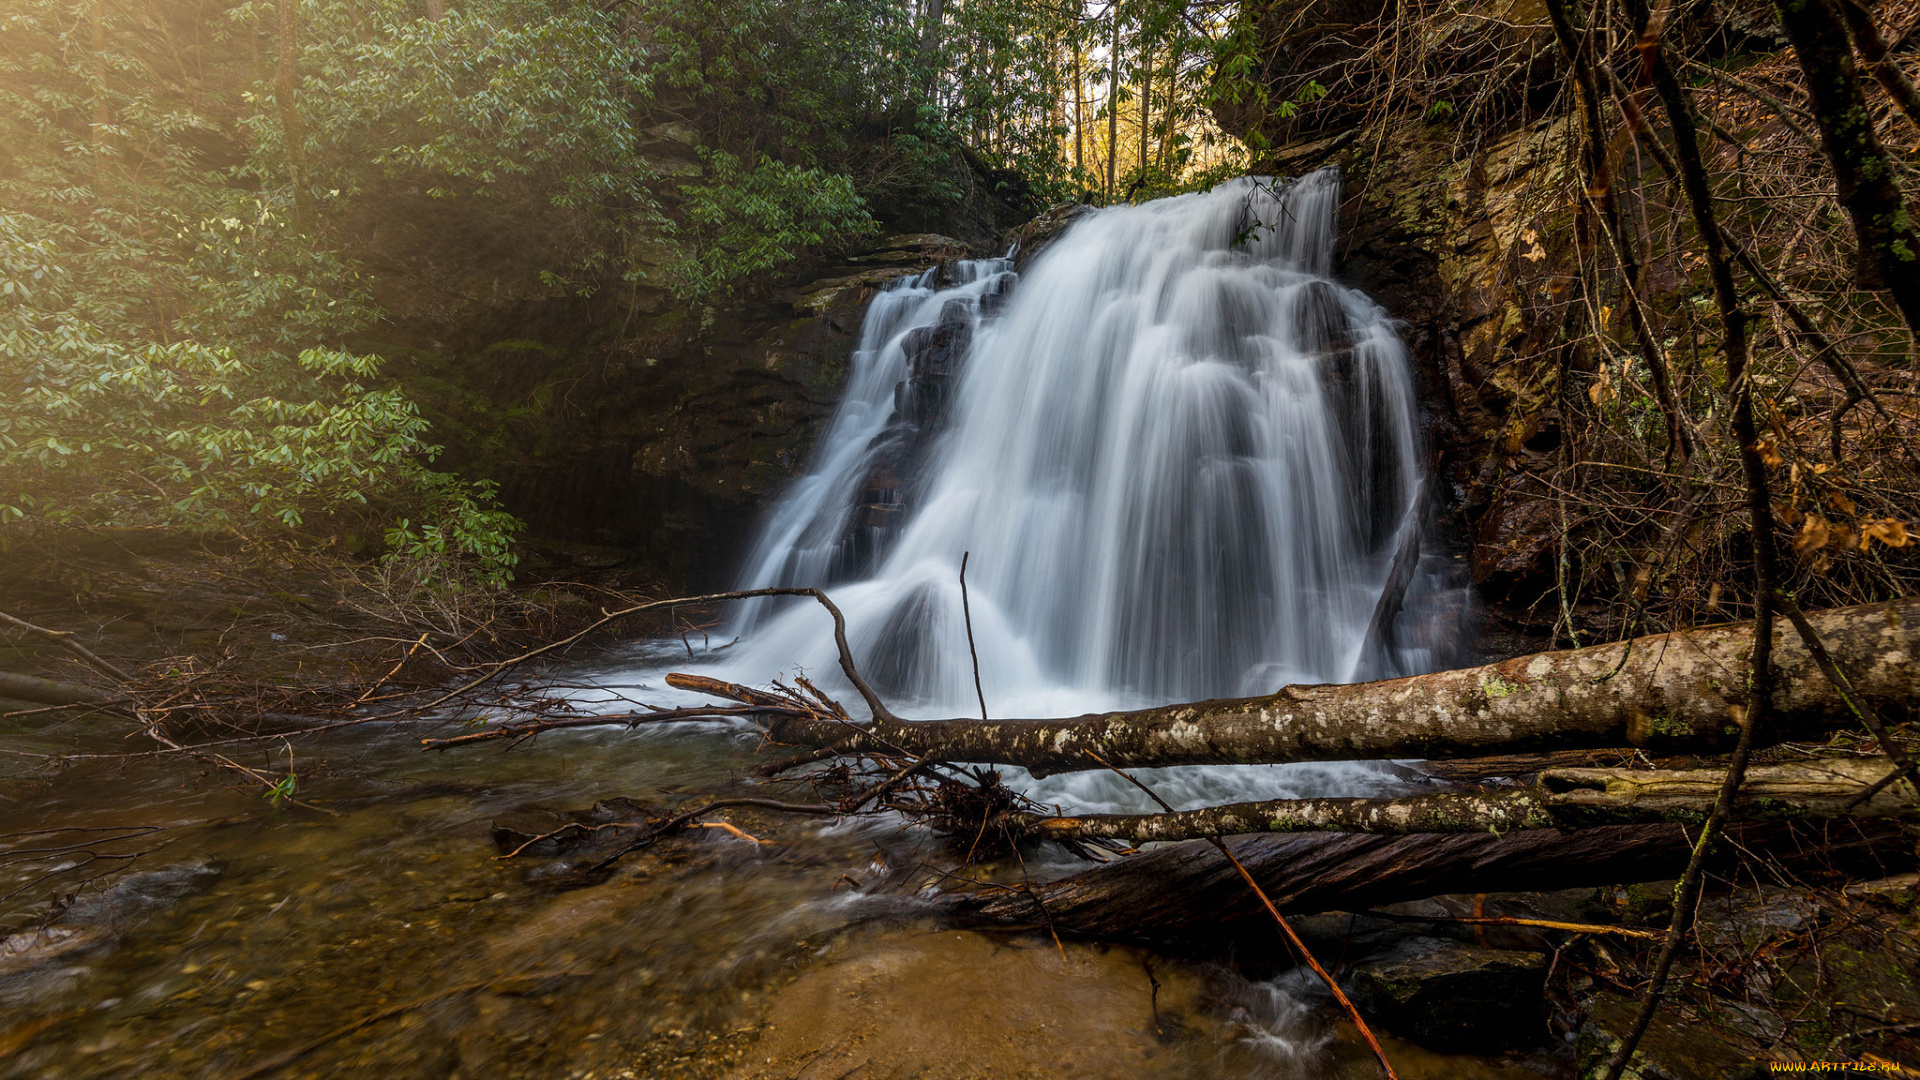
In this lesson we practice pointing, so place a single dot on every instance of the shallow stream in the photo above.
(375, 935)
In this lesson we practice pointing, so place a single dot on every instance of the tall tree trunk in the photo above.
(1600, 195)
(1867, 40)
(1168, 109)
(930, 44)
(1889, 243)
(1079, 118)
(1146, 105)
(1113, 98)
(1680, 689)
(292, 128)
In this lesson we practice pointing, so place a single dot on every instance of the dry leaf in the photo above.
(1601, 391)
(1812, 536)
(1841, 503)
(1769, 456)
(1886, 530)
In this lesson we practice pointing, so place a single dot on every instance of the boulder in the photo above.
(1453, 997)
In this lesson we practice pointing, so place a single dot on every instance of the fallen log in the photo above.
(49, 692)
(1675, 691)
(1189, 886)
(1560, 799)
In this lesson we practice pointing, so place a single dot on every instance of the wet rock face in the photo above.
(922, 409)
(934, 356)
(1460, 240)
(1452, 997)
(651, 434)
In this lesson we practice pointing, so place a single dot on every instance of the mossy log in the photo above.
(1559, 799)
(1189, 887)
(1677, 691)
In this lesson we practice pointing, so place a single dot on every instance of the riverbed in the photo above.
(366, 927)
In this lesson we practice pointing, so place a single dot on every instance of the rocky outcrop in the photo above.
(650, 437)
(1461, 159)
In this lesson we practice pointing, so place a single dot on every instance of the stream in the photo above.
(242, 932)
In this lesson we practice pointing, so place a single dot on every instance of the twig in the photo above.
(879, 708)
(64, 638)
(1544, 924)
(966, 611)
(729, 827)
(391, 672)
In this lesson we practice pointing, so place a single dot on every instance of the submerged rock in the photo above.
(1672, 1049)
(1453, 997)
(93, 918)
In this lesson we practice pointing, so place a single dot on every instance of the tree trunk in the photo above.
(1079, 120)
(1673, 691)
(1889, 243)
(1146, 106)
(1169, 108)
(292, 128)
(1189, 886)
(1562, 798)
(1113, 98)
(1873, 49)
(930, 46)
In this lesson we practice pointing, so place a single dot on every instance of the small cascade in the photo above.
(1182, 460)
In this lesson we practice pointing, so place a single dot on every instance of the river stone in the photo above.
(1672, 1049)
(1453, 997)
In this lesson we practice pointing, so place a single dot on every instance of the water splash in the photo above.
(1182, 457)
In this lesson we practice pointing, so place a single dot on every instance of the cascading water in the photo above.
(1182, 459)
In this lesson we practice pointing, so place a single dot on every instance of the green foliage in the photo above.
(171, 352)
(743, 221)
(282, 789)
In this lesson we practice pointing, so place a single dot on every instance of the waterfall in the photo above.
(1182, 462)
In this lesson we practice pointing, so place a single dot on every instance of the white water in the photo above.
(1180, 459)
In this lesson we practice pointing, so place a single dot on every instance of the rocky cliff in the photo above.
(1462, 149)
